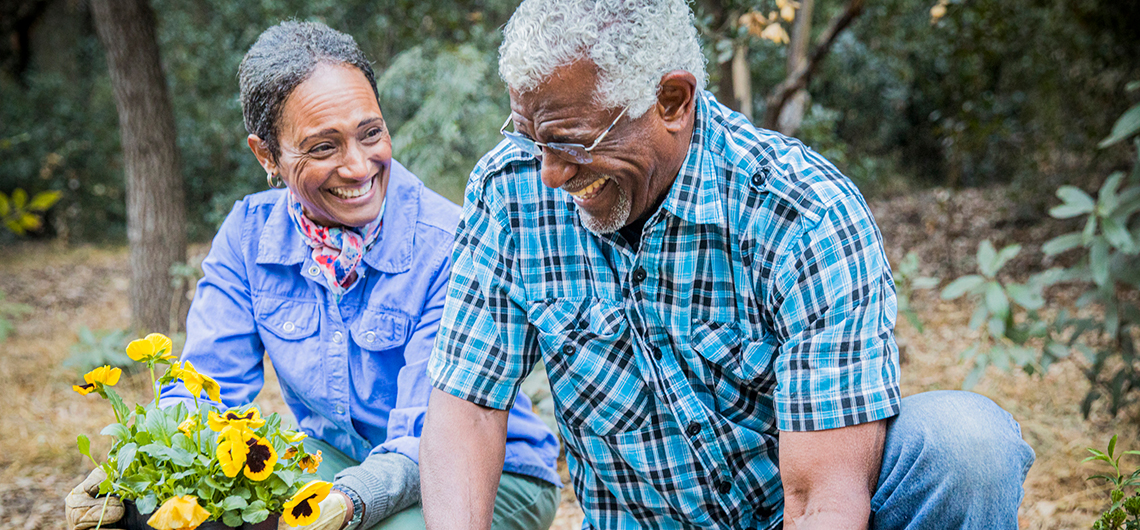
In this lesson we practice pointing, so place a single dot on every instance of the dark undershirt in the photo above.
(632, 231)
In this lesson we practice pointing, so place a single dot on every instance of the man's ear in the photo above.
(676, 99)
(261, 151)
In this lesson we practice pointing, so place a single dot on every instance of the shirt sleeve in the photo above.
(406, 419)
(834, 315)
(486, 346)
(221, 335)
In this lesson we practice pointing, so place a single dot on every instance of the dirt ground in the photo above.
(71, 287)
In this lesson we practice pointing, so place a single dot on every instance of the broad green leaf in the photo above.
(924, 282)
(125, 457)
(84, 444)
(157, 451)
(1112, 446)
(14, 226)
(44, 200)
(1117, 235)
(232, 518)
(1005, 255)
(1098, 261)
(184, 443)
(999, 357)
(117, 403)
(234, 503)
(254, 516)
(1061, 244)
(912, 317)
(180, 457)
(961, 286)
(996, 300)
(5, 207)
(1127, 125)
(19, 199)
(118, 430)
(981, 313)
(213, 483)
(976, 374)
(1025, 296)
(1021, 355)
(968, 353)
(997, 327)
(987, 259)
(147, 504)
(1089, 233)
(1076, 199)
(1057, 350)
(1106, 197)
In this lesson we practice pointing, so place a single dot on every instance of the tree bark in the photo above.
(799, 78)
(742, 80)
(792, 115)
(155, 209)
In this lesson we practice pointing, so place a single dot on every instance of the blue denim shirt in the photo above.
(354, 372)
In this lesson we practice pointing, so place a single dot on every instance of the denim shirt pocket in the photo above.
(589, 357)
(288, 320)
(379, 330)
(288, 330)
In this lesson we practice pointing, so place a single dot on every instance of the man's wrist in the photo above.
(354, 511)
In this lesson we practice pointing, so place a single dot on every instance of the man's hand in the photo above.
(335, 514)
(85, 511)
(461, 460)
(830, 476)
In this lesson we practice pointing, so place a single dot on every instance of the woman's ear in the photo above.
(261, 151)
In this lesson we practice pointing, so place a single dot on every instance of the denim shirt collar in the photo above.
(281, 244)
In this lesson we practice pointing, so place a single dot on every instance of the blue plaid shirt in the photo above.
(759, 300)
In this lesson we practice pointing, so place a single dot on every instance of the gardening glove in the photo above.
(84, 509)
(332, 508)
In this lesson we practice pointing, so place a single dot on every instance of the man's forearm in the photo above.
(461, 460)
(834, 514)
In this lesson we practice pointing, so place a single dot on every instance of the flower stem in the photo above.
(153, 383)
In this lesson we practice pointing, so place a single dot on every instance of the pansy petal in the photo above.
(161, 343)
(139, 350)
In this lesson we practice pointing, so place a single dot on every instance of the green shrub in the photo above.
(1123, 513)
(95, 349)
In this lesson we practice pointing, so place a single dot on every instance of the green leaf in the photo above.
(19, 199)
(147, 504)
(1098, 261)
(180, 457)
(157, 451)
(924, 282)
(981, 313)
(1076, 202)
(997, 327)
(1021, 355)
(1117, 235)
(999, 357)
(976, 374)
(5, 207)
(1061, 244)
(84, 444)
(968, 353)
(234, 502)
(1025, 296)
(1006, 254)
(125, 457)
(44, 200)
(117, 403)
(1089, 233)
(1127, 125)
(232, 518)
(996, 300)
(1106, 197)
(961, 286)
(1056, 349)
(118, 430)
(987, 259)
(1112, 446)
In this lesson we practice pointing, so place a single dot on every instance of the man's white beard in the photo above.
(616, 218)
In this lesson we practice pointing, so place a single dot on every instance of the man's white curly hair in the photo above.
(632, 42)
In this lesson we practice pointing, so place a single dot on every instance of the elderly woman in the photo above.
(340, 277)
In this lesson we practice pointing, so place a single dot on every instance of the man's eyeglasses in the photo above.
(577, 153)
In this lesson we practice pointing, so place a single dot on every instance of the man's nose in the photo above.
(556, 171)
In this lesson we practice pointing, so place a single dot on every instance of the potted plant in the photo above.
(177, 468)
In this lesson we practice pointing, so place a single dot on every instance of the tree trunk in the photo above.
(792, 114)
(155, 210)
(742, 80)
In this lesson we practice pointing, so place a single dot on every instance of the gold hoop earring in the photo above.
(274, 180)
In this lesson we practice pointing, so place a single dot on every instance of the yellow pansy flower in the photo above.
(232, 450)
(302, 508)
(261, 458)
(310, 462)
(187, 426)
(293, 436)
(290, 453)
(196, 382)
(99, 377)
(179, 513)
(248, 420)
(150, 348)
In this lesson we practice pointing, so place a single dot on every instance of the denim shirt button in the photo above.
(289, 327)
(370, 337)
(337, 337)
(339, 409)
(313, 270)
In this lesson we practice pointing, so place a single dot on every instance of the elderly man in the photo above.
(711, 300)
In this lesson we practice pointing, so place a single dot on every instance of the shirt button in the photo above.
(657, 353)
(757, 179)
(313, 270)
(289, 327)
(568, 349)
(370, 337)
(723, 487)
(639, 274)
(337, 337)
(693, 429)
(339, 409)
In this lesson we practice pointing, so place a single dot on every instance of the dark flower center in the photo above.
(258, 455)
(235, 416)
(304, 508)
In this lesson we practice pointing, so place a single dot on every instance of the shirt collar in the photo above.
(280, 244)
(695, 195)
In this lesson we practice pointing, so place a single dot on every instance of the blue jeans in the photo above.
(952, 460)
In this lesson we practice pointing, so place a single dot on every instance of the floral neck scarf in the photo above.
(337, 250)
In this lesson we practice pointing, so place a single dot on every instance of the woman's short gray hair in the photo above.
(283, 57)
(632, 42)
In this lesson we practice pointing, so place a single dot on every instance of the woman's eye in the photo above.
(321, 149)
(373, 133)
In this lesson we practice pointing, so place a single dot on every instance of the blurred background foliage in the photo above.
(995, 91)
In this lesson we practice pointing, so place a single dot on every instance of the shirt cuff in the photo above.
(385, 482)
